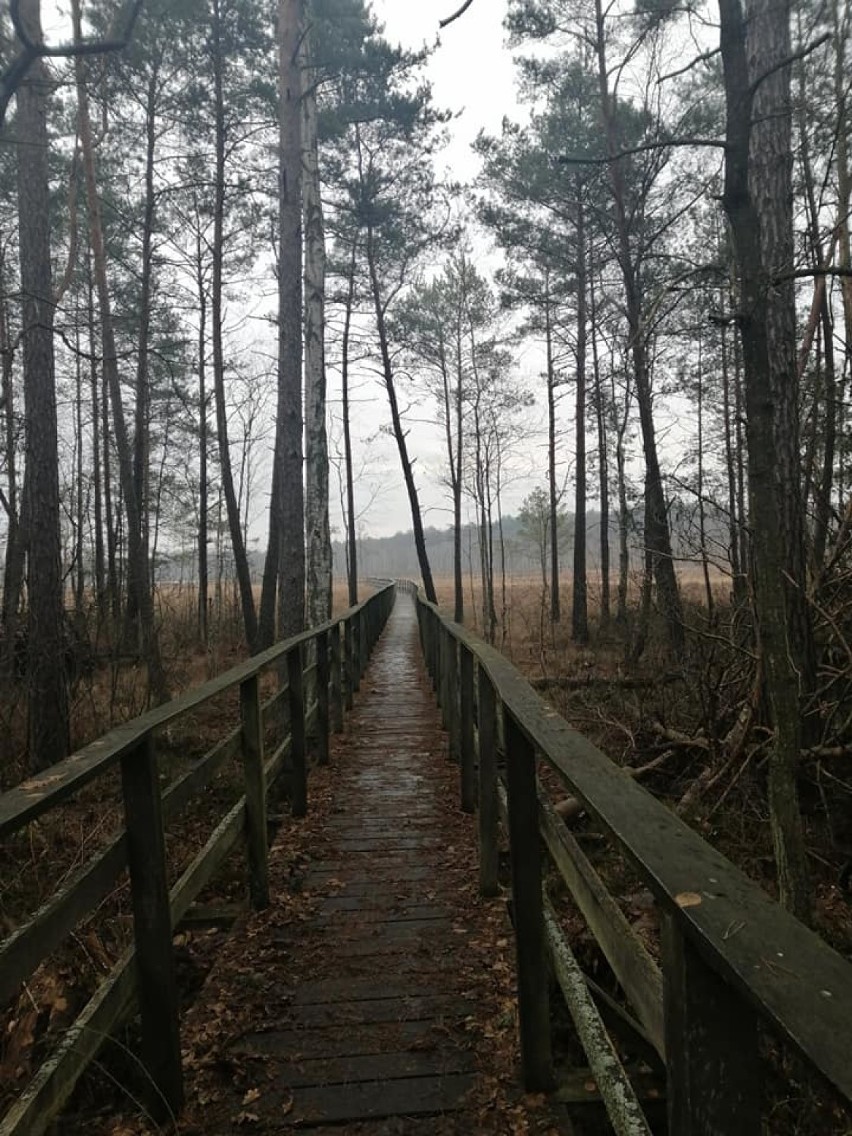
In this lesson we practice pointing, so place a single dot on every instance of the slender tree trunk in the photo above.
(603, 459)
(555, 606)
(232, 507)
(351, 543)
(46, 686)
(13, 568)
(203, 443)
(101, 593)
(763, 415)
(580, 605)
(318, 533)
(702, 520)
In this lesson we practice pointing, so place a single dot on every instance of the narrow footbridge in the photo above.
(349, 989)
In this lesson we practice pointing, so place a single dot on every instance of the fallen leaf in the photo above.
(688, 899)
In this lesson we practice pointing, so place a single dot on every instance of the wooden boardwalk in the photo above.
(379, 984)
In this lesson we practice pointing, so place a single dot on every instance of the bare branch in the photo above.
(461, 11)
(662, 144)
(16, 71)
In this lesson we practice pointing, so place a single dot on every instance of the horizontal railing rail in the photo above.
(145, 974)
(732, 960)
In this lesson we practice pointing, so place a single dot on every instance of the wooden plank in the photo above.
(431, 1007)
(257, 841)
(336, 689)
(152, 927)
(415, 1096)
(34, 940)
(528, 916)
(714, 1065)
(637, 973)
(370, 989)
(370, 1038)
(467, 772)
(623, 1109)
(384, 1067)
(298, 742)
(323, 703)
(489, 815)
(34, 1110)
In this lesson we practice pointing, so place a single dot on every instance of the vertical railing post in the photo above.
(357, 634)
(322, 697)
(467, 778)
(152, 925)
(348, 663)
(298, 746)
(452, 714)
(255, 784)
(489, 813)
(363, 640)
(530, 941)
(443, 674)
(713, 1064)
(336, 680)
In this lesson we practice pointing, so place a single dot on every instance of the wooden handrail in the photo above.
(148, 971)
(731, 954)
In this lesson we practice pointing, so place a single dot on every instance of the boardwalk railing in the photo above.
(734, 965)
(146, 974)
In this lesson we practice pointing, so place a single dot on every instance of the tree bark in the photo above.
(318, 534)
(351, 541)
(232, 507)
(579, 605)
(48, 731)
(764, 417)
(284, 570)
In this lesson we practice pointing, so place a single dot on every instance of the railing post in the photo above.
(348, 664)
(443, 674)
(298, 747)
(152, 925)
(713, 1062)
(322, 697)
(452, 716)
(363, 641)
(489, 813)
(528, 910)
(357, 648)
(467, 777)
(255, 784)
(336, 680)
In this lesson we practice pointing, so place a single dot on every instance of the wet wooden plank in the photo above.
(413, 1096)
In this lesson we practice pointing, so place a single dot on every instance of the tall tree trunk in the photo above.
(580, 606)
(101, 593)
(139, 581)
(232, 507)
(317, 531)
(351, 542)
(46, 686)
(203, 443)
(771, 189)
(750, 228)
(284, 570)
(603, 458)
(13, 568)
(553, 492)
